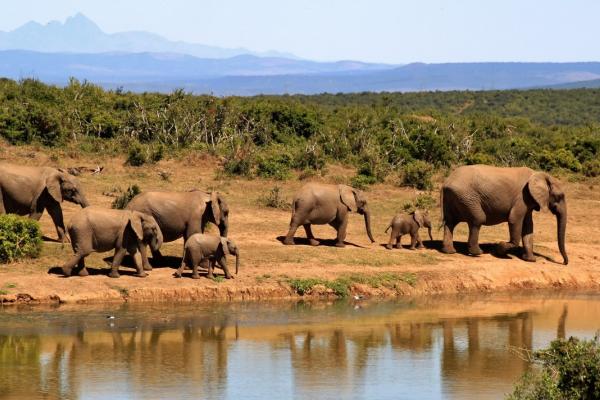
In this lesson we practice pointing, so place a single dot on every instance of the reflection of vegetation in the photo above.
(570, 370)
(405, 136)
(341, 286)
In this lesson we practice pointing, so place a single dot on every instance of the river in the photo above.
(425, 348)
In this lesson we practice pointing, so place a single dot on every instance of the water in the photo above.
(448, 348)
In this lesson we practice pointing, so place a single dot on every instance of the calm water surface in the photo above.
(448, 348)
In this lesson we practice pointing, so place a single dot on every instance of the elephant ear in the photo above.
(419, 219)
(539, 189)
(53, 183)
(216, 208)
(224, 246)
(348, 197)
(135, 221)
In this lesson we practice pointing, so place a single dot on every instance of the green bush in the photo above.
(570, 370)
(591, 168)
(274, 199)
(20, 237)
(124, 198)
(559, 159)
(274, 166)
(136, 155)
(362, 182)
(418, 174)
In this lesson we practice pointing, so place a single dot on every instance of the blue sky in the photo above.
(369, 30)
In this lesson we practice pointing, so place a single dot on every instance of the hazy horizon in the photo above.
(383, 31)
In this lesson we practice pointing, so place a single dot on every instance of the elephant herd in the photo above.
(476, 194)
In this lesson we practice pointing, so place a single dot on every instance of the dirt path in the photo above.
(271, 270)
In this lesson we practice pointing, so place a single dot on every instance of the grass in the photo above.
(3, 292)
(10, 285)
(341, 286)
(218, 279)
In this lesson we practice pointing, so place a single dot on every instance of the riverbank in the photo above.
(270, 270)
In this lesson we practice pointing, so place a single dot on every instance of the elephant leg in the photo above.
(515, 230)
(81, 269)
(340, 226)
(57, 217)
(210, 270)
(138, 261)
(420, 244)
(2, 209)
(474, 248)
(289, 238)
(67, 268)
(223, 264)
(179, 271)
(394, 239)
(398, 244)
(527, 234)
(310, 236)
(144, 255)
(116, 262)
(448, 245)
(413, 241)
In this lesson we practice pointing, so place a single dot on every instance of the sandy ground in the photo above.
(267, 266)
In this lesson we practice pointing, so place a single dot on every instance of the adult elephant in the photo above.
(31, 190)
(320, 204)
(182, 214)
(486, 195)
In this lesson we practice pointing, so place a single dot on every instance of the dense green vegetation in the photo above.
(401, 137)
(20, 237)
(568, 370)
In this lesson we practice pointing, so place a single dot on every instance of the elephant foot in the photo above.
(195, 276)
(448, 250)
(83, 272)
(313, 242)
(114, 274)
(388, 246)
(229, 277)
(503, 248)
(141, 274)
(177, 274)
(340, 244)
(148, 267)
(288, 241)
(66, 271)
(528, 257)
(475, 250)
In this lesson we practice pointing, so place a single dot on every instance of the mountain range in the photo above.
(142, 61)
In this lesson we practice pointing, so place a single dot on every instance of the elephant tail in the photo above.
(388, 228)
(293, 209)
(442, 220)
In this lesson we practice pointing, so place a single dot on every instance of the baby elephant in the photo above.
(200, 247)
(96, 229)
(402, 224)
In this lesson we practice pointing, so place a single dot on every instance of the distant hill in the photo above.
(592, 84)
(79, 34)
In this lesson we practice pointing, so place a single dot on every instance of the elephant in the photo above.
(96, 229)
(318, 203)
(31, 190)
(487, 195)
(214, 249)
(402, 224)
(182, 213)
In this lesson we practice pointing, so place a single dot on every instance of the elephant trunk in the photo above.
(429, 231)
(237, 261)
(561, 225)
(157, 242)
(367, 216)
(83, 201)
(223, 228)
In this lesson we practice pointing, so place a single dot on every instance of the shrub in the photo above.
(124, 198)
(570, 369)
(20, 237)
(238, 166)
(418, 174)
(591, 168)
(136, 155)
(362, 182)
(275, 166)
(561, 158)
(274, 199)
